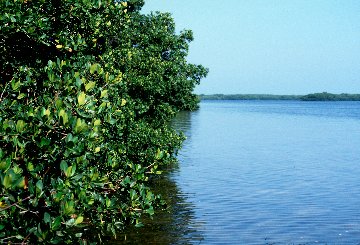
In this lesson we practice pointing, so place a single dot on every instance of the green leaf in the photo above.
(15, 86)
(7, 181)
(20, 96)
(70, 171)
(89, 86)
(69, 207)
(79, 81)
(103, 94)
(139, 225)
(81, 98)
(58, 103)
(5, 164)
(64, 116)
(70, 222)
(30, 113)
(47, 217)
(108, 202)
(91, 201)
(20, 237)
(79, 220)
(30, 167)
(61, 112)
(133, 194)
(20, 126)
(39, 185)
(63, 166)
(94, 68)
(45, 112)
(20, 182)
(80, 125)
(159, 154)
(97, 122)
(150, 211)
(56, 224)
(45, 142)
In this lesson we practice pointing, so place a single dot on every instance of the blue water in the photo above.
(271, 172)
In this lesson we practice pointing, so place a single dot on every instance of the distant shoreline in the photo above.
(309, 97)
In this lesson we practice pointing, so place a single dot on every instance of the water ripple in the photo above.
(273, 172)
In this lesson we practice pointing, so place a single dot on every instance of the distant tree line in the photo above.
(330, 97)
(309, 97)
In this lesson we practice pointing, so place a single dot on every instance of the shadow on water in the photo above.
(182, 123)
(176, 224)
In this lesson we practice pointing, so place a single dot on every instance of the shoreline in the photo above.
(309, 97)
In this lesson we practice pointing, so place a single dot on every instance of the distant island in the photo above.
(324, 96)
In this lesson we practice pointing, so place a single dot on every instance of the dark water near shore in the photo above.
(263, 172)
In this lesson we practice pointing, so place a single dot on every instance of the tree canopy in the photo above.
(87, 91)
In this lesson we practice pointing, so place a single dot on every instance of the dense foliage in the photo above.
(86, 95)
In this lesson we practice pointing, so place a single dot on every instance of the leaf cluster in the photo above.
(86, 95)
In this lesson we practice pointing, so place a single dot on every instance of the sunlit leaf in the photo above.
(97, 122)
(69, 207)
(81, 98)
(68, 171)
(21, 183)
(90, 86)
(20, 96)
(104, 93)
(94, 68)
(80, 125)
(79, 220)
(7, 181)
(20, 126)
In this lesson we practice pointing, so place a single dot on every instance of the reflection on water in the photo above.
(182, 122)
(262, 172)
(176, 224)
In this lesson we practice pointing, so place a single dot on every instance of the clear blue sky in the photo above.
(271, 46)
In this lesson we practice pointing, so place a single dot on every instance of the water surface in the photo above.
(264, 172)
(283, 172)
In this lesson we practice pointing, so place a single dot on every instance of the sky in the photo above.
(271, 46)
